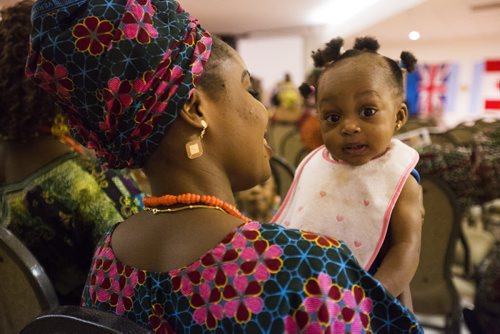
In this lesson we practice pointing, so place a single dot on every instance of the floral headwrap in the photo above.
(120, 69)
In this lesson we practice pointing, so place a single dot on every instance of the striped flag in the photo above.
(432, 89)
(485, 92)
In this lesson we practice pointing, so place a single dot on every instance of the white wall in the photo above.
(269, 58)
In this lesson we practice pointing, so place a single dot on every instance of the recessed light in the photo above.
(414, 35)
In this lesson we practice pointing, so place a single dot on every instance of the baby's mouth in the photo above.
(355, 148)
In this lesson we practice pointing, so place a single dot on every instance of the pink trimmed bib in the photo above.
(350, 203)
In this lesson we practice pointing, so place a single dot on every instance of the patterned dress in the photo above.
(261, 278)
(61, 211)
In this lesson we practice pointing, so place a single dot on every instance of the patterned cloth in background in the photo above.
(454, 166)
(487, 163)
(262, 278)
(472, 172)
(62, 210)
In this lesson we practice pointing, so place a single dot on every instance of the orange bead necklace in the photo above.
(152, 202)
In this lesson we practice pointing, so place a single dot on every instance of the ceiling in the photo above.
(389, 20)
(282, 16)
(439, 20)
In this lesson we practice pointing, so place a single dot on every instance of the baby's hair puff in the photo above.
(332, 54)
(368, 44)
(408, 61)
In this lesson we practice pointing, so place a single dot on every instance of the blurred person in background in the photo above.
(53, 196)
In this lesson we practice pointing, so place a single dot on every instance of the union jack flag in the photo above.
(430, 89)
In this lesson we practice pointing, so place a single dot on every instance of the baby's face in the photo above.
(359, 109)
(259, 201)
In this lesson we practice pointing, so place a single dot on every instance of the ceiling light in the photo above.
(414, 35)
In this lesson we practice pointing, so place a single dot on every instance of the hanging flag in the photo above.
(432, 89)
(485, 92)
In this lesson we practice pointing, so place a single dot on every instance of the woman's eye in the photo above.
(368, 112)
(332, 118)
(254, 93)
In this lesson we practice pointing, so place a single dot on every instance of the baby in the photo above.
(357, 187)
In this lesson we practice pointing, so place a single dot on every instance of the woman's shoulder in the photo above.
(301, 249)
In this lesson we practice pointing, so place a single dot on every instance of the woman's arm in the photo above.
(401, 261)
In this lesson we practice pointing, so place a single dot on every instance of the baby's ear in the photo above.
(402, 114)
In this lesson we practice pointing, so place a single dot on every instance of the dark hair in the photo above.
(211, 80)
(23, 106)
(331, 55)
(306, 89)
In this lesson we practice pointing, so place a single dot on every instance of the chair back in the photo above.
(291, 147)
(76, 320)
(25, 289)
(440, 138)
(282, 173)
(462, 135)
(276, 132)
(432, 288)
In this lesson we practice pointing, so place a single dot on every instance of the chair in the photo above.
(433, 291)
(25, 289)
(76, 320)
(291, 146)
(416, 123)
(415, 138)
(486, 124)
(461, 135)
(275, 133)
(282, 173)
(301, 155)
(441, 138)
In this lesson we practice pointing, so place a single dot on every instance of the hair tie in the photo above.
(313, 90)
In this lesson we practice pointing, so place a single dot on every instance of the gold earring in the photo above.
(398, 125)
(194, 149)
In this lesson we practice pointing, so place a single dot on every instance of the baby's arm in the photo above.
(401, 261)
(405, 298)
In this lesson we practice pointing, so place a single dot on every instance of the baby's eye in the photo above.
(368, 112)
(332, 118)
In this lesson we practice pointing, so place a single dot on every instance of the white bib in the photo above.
(349, 203)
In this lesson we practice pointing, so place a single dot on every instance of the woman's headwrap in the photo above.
(120, 69)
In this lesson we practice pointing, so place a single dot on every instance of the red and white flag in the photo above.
(486, 87)
(492, 85)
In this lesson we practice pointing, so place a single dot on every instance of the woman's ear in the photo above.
(193, 114)
(401, 115)
(193, 110)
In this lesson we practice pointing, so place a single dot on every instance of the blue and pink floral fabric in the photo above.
(120, 69)
(261, 278)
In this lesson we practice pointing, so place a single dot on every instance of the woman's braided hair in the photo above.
(23, 106)
(331, 55)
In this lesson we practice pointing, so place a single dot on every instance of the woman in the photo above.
(55, 201)
(183, 110)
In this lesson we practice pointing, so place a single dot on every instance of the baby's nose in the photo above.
(350, 126)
